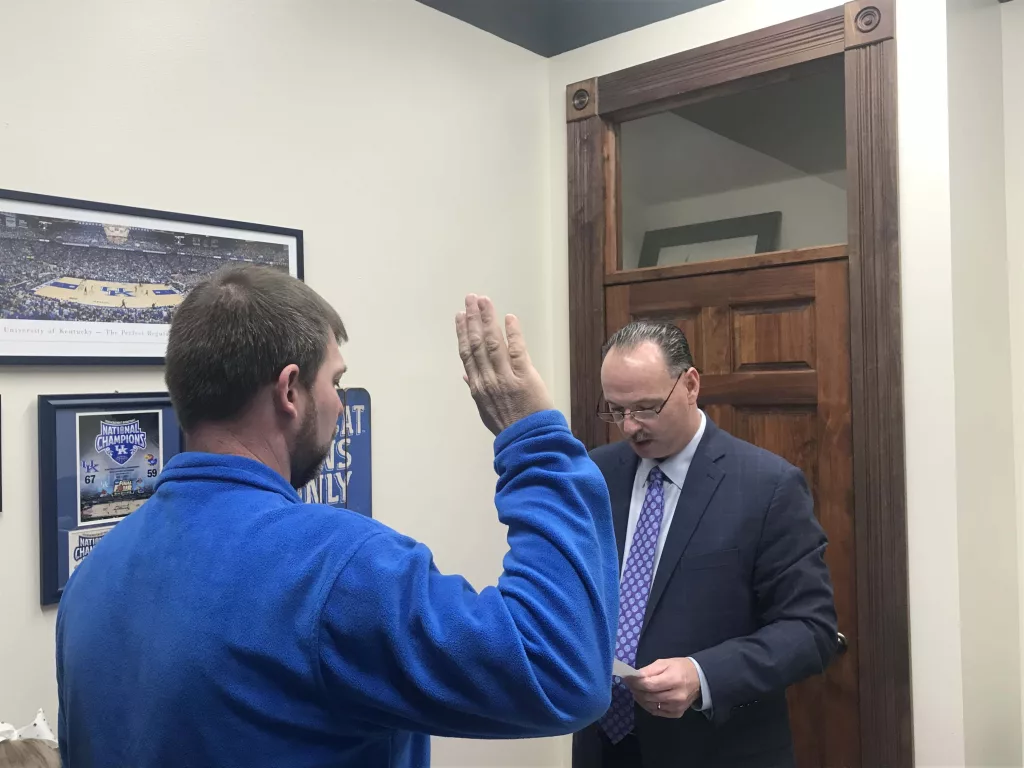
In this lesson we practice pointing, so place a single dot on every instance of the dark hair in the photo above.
(670, 340)
(235, 332)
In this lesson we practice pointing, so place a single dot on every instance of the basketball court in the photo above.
(101, 293)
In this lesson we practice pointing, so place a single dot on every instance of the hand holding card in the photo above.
(623, 670)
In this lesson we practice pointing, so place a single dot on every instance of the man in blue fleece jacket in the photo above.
(226, 623)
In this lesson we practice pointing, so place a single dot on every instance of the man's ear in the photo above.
(286, 391)
(692, 380)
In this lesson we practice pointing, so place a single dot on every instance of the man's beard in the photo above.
(308, 456)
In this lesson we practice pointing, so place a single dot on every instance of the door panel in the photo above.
(774, 336)
(772, 345)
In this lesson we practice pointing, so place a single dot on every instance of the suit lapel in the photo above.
(702, 480)
(620, 490)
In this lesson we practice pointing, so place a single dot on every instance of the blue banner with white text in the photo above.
(345, 479)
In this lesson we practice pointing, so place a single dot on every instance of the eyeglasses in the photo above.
(619, 415)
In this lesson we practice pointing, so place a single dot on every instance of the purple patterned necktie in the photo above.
(634, 589)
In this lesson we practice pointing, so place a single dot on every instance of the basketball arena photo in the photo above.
(60, 269)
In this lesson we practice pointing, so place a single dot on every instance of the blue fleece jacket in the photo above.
(225, 623)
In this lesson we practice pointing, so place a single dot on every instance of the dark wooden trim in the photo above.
(869, 21)
(581, 100)
(764, 226)
(739, 264)
(588, 224)
(749, 388)
(880, 496)
(727, 88)
(649, 88)
(613, 199)
(774, 285)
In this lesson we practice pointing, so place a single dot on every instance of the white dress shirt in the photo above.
(675, 468)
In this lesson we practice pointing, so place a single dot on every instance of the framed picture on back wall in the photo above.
(91, 283)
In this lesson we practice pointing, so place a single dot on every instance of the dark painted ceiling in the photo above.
(551, 27)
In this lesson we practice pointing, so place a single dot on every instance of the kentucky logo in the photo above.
(120, 440)
(116, 291)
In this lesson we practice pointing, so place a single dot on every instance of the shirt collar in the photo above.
(221, 467)
(676, 466)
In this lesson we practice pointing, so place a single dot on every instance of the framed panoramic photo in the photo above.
(90, 283)
(99, 459)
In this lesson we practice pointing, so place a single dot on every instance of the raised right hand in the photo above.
(501, 378)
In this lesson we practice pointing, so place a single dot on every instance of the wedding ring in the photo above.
(659, 705)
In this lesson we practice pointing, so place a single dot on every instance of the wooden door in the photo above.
(772, 345)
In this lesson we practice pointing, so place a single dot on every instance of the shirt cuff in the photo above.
(705, 692)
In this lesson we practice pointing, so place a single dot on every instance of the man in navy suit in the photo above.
(725, 598)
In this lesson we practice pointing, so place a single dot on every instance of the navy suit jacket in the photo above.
(742, 587)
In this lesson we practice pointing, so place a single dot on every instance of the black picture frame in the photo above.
(46, 341)
(58, 482)
(764, 226)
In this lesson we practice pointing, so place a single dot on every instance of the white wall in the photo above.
(813, 211)
(927, 313)
(929, 400)
(1013, 115)
(986, 496)
(373, 127)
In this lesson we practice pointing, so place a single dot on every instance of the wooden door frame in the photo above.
(863, 32)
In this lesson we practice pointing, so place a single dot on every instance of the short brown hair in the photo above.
(235, 332)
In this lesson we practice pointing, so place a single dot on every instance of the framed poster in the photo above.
(112, 481)
(99, 459)
(711, 240)
(90, 283)
(346, 478)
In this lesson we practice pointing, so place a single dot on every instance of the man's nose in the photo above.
(629, 426)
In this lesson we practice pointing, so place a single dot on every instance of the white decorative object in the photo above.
(38, 729)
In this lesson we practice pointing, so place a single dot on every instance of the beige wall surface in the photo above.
(363, 125)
